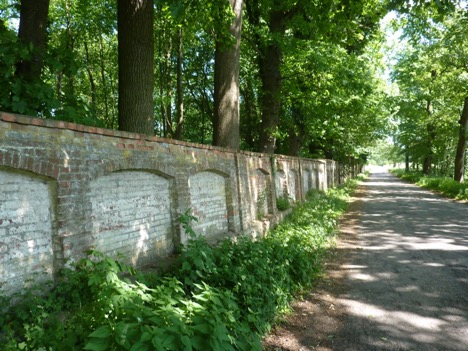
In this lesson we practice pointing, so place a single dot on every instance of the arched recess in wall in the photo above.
(211, 198)
(315, 176)
(293, 185)
(281, 186)
(27, 224)
(133, 214)
(306, 180)
(261, 189)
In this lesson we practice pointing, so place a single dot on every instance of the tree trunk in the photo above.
(136, 63)
(250, 119)
(270, 73)
(92, 84)
(407, 159)
(70, 45)
(32, 31)
(168, 87)
(104, 82)
(431, 135)
(180, 91)
(296, 132)
(226, 94)
(461, 147)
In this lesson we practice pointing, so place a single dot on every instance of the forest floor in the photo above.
(397, 279)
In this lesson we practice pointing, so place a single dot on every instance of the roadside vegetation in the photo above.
(215, 298)
(445, 185)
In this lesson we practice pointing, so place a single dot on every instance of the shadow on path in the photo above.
(406, 285)
(398, 279)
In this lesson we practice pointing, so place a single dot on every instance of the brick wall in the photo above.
(66, 188)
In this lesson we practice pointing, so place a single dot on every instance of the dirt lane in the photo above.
(399, 279)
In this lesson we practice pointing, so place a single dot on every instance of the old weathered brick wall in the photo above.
(66, 188)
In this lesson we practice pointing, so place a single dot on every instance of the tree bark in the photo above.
(104, 82)
(226, 95)
(32, 31)
(270, 73)
(296, 132)
(92, 84)
(136, 64)
(180, 89)
(461, 147)
(407, 159)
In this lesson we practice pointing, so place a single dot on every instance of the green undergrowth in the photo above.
(445, 185)
(216, 298)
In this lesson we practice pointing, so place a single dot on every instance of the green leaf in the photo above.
(102, 332)
(97, 345)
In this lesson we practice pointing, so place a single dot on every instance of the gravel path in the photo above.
(399, 279)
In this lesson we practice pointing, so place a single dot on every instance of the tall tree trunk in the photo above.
(249, 120)
(407, 159)
(70, 45)
(104, 82)
(431, 131)
(168, 88)
(32, 31)
(270, 73)
(136, 63)
(162, 108)
(180, 91)
(90, 77)
(296, 132)
(461, 147)
(427, 162)
(226, 93)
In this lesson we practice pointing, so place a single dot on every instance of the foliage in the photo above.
(324, 42)
(430, 72)
(445, 185)
(283, 203)
(218, 298)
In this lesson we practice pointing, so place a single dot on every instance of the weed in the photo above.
(217, 298)
(283, 203)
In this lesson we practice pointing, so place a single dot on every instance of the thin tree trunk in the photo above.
(226, 97)
(461, 147)
(407, 159)
(70, 45)
(249, 120)
(32, 31)
(136, 63)
(104, 82)
(90, 76)
(168, 87)
(160, 78)
(427, 162)
(180, 92)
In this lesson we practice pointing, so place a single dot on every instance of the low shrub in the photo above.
(447, 186)
(430, 182)
(216, 298)
(451, 188)
(283, 203)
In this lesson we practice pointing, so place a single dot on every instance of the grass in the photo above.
(216, 298)
(445, 185)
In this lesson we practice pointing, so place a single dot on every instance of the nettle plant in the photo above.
(214, 298)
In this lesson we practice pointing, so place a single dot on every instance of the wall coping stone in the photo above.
(56, 124)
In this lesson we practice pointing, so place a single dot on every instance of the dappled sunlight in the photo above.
(142, 246)
(26, 230)
(395, 319)
(408, 270)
